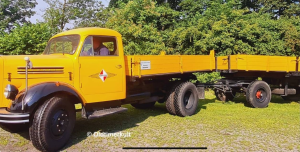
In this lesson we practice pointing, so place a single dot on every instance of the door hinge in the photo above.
(79, 66)
(80, 85)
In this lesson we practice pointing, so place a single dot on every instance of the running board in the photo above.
(104, 112)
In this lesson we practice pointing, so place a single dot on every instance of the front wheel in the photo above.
(258, 94)
(53, 124)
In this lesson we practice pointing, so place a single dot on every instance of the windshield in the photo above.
(63, 44)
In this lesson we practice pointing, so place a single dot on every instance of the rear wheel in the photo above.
(53, 124)
(258, 94)
(170, 100)
(185, 99)
(143, 105)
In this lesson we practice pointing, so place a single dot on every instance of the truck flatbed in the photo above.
(258, 63)
(152, 65)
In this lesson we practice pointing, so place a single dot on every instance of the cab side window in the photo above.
(100, 46)
(87, 49)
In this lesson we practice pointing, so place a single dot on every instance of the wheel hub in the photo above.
(188, 99)
(259, 94)
(60, 122)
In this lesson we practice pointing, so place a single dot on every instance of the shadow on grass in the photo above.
(114, 123)
(203, 102)
(280, 100)
(119, 122)
(20, 129)
(241, 98)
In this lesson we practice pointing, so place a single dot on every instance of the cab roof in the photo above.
(89, 31)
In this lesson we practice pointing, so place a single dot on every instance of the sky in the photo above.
(41, 6)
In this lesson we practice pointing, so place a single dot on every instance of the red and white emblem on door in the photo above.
(103, 75)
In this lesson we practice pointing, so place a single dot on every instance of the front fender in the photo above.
(40, 91)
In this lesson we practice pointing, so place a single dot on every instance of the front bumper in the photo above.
(13, 118)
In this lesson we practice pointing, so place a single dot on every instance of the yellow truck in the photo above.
(87, 66)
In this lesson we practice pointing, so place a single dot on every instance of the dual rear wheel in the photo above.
(181, 99)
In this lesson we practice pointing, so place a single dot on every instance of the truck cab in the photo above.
(93, 77)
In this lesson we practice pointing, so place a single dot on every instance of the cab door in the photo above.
(101, 77)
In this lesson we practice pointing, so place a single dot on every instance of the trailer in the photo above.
(87, 66)
(257, 76)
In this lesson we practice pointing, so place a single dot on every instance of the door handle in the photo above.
(118, 66)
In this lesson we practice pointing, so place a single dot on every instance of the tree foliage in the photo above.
(266, 27)
(204, 77)
(143, 26)
(26, 39)
(76, 12)
(233, 31)
(198, 26)
(15, 12)
(275, 7)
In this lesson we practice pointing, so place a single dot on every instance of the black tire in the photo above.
(295, 97)
(15, 128)
(143, 105)
(170, 100)
(186, 99)
(222, 96)
(53, 124)
(258, 94)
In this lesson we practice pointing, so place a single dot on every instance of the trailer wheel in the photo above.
(185, 99)
(53, 124)
(170, 100)
(222, 96)
(143, 105)
(258, 94)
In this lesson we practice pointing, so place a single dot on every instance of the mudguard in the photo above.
(37, 93)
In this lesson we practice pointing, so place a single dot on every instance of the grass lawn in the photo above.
(230, 126)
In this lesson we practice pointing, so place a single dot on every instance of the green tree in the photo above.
(229, 29)
(276, 7)
(96, 18)
(115, 3)
(174, 4)
(74, 12)
(15, 12)
(26, 39)
(144, 26)
(282, 7)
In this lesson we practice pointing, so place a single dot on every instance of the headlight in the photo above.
(10, 92)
